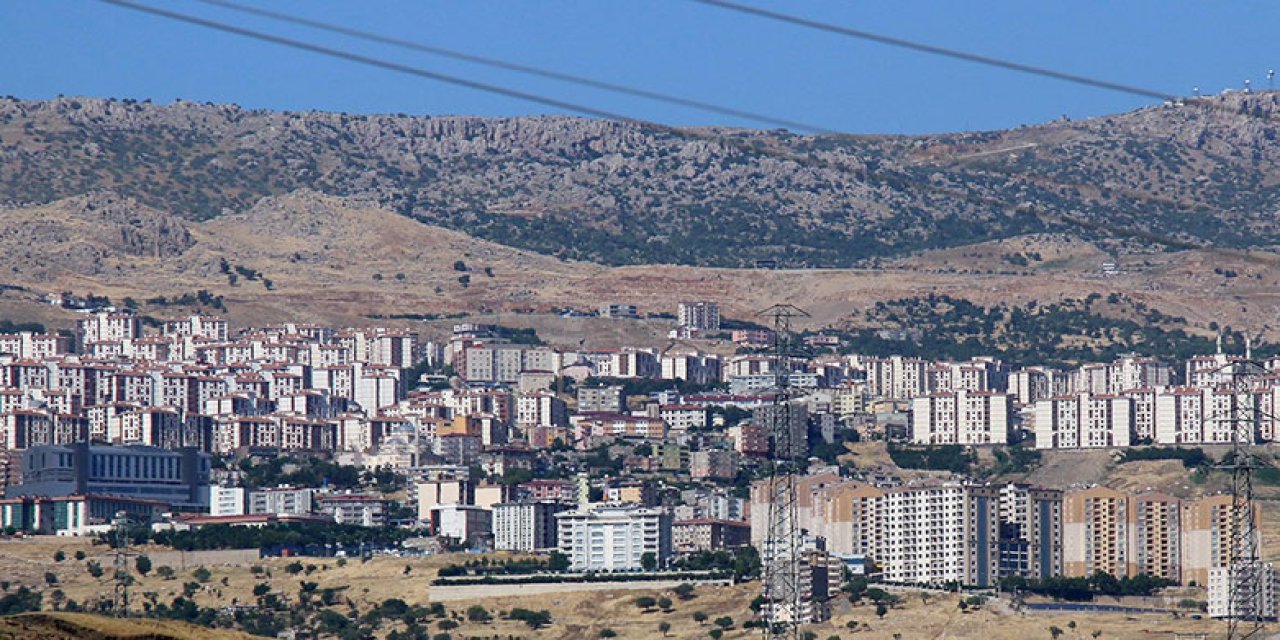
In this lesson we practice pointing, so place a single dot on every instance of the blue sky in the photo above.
(86, 48)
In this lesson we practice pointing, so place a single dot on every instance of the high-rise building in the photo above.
(601, 400)
(1209, 526)
(612, 537)
(1254, 592)
(1095, 531)
(1083, 420)
(794, 417)
(526, 526)
(700, 316)
(962, 417)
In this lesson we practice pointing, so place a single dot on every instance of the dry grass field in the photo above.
(82, 626)
(577, 616)
(343, 262)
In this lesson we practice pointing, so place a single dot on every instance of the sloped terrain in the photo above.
(625, 193)
(83, 626)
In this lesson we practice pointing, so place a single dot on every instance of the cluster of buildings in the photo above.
(122, 417)
(943, 532)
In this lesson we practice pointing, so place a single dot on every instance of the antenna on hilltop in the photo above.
(1271, 74)
(1248, 86)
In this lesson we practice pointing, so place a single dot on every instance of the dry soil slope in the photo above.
(83, 626)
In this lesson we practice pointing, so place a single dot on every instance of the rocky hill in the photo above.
(623, 193)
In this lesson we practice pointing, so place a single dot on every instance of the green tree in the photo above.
(664, 627)
(201, 574)
(699, 617)
(664, 603)
(165, 572)
(649, 561)
(724, 622)
(881, 610)
(142, 564)
(1055, 632)
(94, 569)
(608, 633)
(477, 613)
(716, 634)
(646, 603)
(558, 561)
(684, 591)
(80, 554)
(59, 555)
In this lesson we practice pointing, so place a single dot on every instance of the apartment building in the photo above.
(1083, 420)
(608, 399)
(696, 368)
(608, 537)
(526, 526)
(791, 420)
(1247, 594)
(1032, 384)
(1208, 526)
(1096, 525)
(698, 315)
(896, 377)
(964, 417)
(714, 464)
(1126, 372)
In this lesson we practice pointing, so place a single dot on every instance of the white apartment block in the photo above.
(198, 326)
(33, 346)
(1033, 384)
(526, 526)
(923, 534)
(1125, 373)
(1214, 370)
(1083, 420)
(1186, 415)
(540, 409)
(697, 368)
(613, 537)
(964, 417)
(896, 377)
(109, 327)
(1257, 580)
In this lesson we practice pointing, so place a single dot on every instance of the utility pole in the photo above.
(781, 587)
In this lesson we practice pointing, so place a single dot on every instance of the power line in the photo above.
(375, 62)
(882, 177)
(940, 51)
(522, 68)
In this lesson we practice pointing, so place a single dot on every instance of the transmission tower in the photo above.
(120, 575)
(1245, 598)
(782, 591)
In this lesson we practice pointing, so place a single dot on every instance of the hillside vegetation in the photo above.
(626, 193)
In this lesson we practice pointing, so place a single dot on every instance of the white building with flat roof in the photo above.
(965, 417)
(614, 537)
(1254, 592)
(526, 526)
